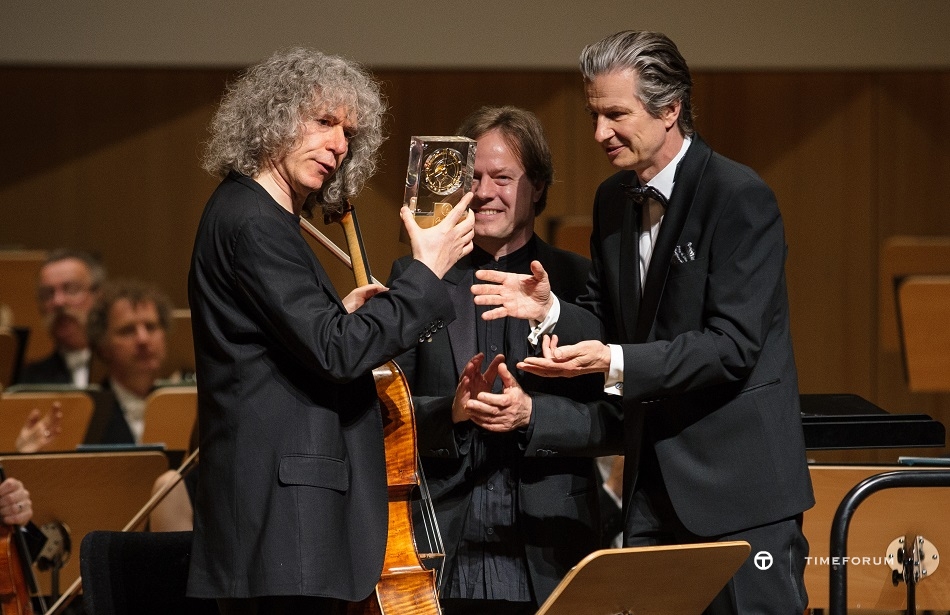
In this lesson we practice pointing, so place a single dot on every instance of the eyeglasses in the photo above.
(70, 289)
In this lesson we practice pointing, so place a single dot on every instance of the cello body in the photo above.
(406, 587)
(14, 591)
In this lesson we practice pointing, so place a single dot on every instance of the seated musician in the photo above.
(127, 331)
(68, 284)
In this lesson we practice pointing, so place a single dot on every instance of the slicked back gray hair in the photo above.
(662, 74)
(262, 113)
(523, 133)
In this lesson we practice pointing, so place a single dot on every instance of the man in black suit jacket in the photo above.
(688, 288)
(508, 460)
(292, 507)
(68, 285)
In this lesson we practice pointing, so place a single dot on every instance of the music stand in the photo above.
(662, 580)
(84, 492)
(77, 409)
(170, 414)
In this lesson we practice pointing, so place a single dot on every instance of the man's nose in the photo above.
(484, 190)
(602, 129)
(338, 142)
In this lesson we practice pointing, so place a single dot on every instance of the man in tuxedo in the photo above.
(291, 511)
(127, 330)
(507, 457)
(68, 284)
(686, 319)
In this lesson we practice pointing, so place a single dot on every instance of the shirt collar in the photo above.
(664, 180)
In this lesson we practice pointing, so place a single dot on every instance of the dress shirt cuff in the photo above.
(613, 385)
(546, 326)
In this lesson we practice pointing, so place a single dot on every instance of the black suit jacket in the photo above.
(48, 370)
(559, 484)
(710, 382)
(292, 496)
(107, 425)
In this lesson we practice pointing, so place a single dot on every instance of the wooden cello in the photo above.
(17, 582)
(406, 587)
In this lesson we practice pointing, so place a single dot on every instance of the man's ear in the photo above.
(671, 114)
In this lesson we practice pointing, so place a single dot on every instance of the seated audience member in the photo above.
(68, 284)
(127, 329)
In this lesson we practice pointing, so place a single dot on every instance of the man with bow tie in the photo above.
(686, 316)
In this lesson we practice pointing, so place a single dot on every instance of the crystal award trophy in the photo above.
(439, 174)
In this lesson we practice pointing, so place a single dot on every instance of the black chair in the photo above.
(138, 573)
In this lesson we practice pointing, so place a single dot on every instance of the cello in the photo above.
(17, 581)
(406, 587)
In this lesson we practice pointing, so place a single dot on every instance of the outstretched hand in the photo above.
(517, 295)
(585, 357)
(441, 246)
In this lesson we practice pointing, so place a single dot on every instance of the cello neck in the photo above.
(354, 243)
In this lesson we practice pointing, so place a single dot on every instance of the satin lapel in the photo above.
(687, 182)
(462, 329)
(629, 265)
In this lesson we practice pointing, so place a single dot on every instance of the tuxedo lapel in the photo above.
(630, 263)
(687, 182)
(462, 330)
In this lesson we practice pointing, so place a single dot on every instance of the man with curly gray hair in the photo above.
(291, 509)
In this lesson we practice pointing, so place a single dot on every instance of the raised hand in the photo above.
(585, 357)
(441, 246)
(39, 430)
(518, 295)
(472, 383)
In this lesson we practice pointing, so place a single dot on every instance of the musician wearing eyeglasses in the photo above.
(68, 284)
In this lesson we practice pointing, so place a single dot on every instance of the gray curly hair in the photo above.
(262, 112)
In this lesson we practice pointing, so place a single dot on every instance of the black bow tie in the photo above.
(640, 194)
